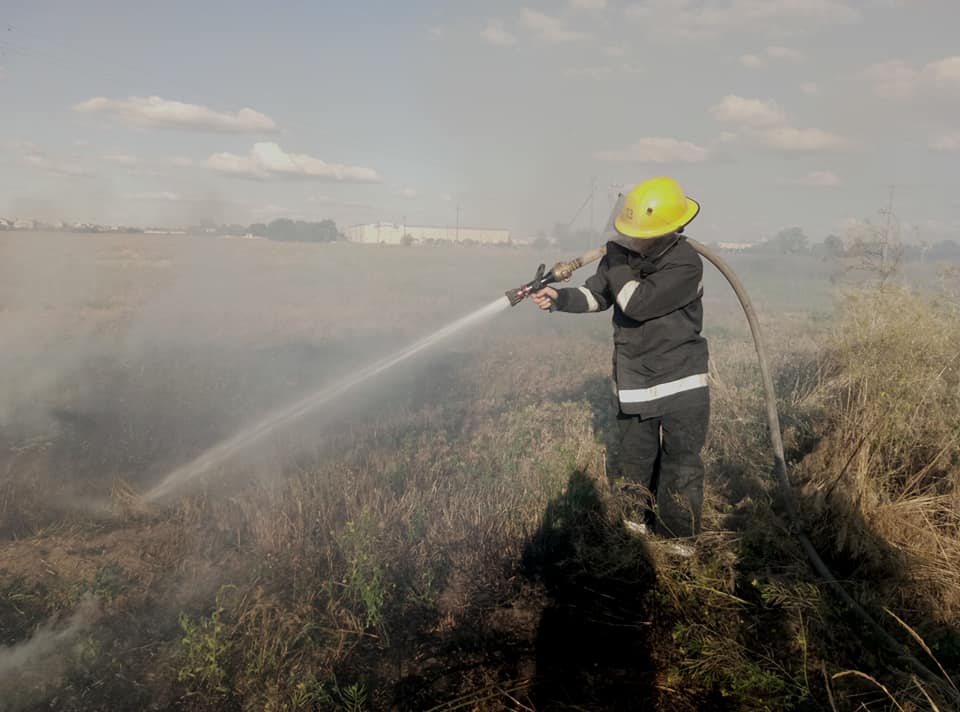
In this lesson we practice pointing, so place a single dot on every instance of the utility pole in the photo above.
(885, 244)
(593, 196)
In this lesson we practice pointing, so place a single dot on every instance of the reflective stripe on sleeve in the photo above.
(592, 304)
(645, 395)
(626, 291)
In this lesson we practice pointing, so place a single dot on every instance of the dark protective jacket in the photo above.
(660, 358)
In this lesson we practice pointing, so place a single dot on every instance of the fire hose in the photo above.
(562, 272)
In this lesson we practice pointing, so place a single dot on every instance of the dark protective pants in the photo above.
(662, 456)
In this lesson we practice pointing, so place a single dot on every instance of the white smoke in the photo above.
(42, 655)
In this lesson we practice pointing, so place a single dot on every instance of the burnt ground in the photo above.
(577, 627)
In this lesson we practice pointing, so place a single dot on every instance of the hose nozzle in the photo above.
(539, 281)
(561, 272)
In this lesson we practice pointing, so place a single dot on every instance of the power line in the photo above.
(580, 209)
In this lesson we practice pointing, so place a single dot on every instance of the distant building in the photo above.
(392, 234)
(24, 224)
(6, 224)
(734, 246)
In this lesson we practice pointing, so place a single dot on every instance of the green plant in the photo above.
(205, 650)
(365, 581)
(753, 679)
(352, 698)
(307, 694)
(109, 582)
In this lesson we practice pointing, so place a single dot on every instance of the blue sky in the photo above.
(772, 113)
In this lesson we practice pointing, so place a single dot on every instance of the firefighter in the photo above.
(653, 280)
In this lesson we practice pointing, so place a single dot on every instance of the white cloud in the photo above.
(549, 28)
(815, 179)
(496, 35)
(772, 53)
(268, 160)
(34, 157)
(600, 72)
(603, 71)
(897, 79)
(947, 143)
(755, 113)
(785, 53)
(588, 5)
(155, 112)
(693, 19)
(615, 51)
(818, 11)
(810, 88)
(945, 71)
(19, 146)
(123, 159)
(794, 140)
(165, 196)
(63, 169)
(752, 61)
(656, 149)
(767, 124)
(893, 79)
(143, 172)
(438, 31)
(405, 192)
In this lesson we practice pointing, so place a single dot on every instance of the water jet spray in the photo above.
(282, 417)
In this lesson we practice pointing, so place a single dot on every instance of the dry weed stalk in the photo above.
(887, 470)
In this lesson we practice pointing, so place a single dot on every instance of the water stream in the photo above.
(224, 450)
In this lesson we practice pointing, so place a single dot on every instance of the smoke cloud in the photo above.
(41, 658)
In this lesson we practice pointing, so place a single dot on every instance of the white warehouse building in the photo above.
(393, 234)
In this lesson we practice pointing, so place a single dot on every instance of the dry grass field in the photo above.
(442, 537)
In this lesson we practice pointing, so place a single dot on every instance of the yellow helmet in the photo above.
(654, 208)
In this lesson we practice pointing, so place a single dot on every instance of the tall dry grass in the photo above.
(883, 485)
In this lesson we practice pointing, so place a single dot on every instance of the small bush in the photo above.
(205, 648)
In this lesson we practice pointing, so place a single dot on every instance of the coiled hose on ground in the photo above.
(563, 271)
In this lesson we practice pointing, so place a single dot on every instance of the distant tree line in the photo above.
(869, 242)
(287, 230)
